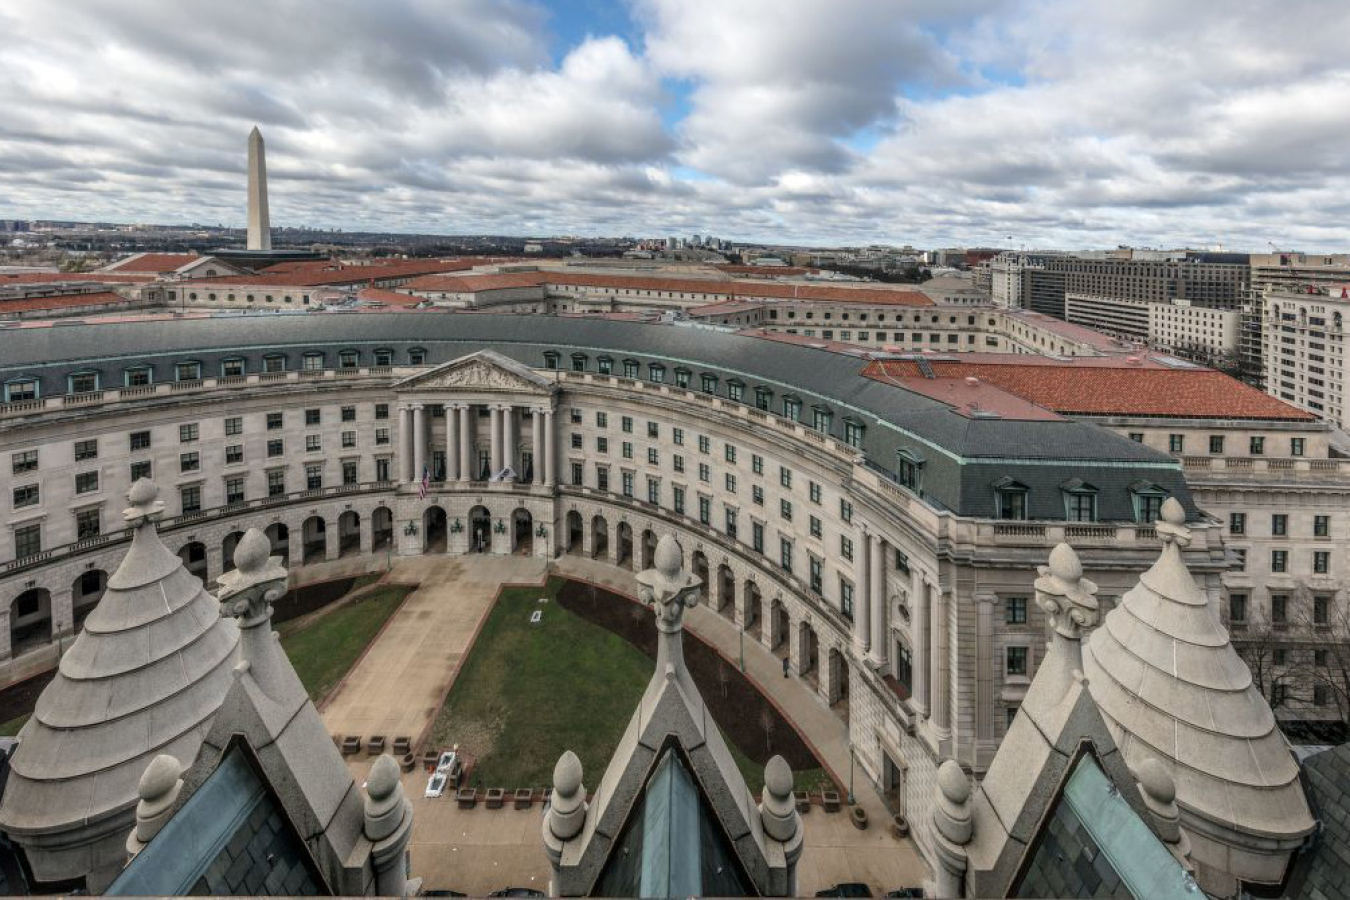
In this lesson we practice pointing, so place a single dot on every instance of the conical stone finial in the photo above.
(1069, 599)
(256, 581)
(567, 808)
(777, 808)
(384, 799)
(952, 828)
(158, 790)
(145, 506)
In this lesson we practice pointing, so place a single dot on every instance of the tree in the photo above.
(768, 723)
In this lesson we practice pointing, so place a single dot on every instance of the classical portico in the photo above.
(476, 427)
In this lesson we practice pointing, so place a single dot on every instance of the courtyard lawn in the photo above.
(11, 728)
(528, 692)
(324, 647)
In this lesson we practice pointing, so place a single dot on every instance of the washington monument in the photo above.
(259, 223)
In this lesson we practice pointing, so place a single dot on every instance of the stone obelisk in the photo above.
(259, 223)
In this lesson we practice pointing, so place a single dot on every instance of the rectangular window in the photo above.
(853, 434)
(350, 474)
(785, 554)
(234, 490)
(704, 444)
(27, 541)
(348, 439)
(1012, 505)
(381, 436)
(602, 445)
(1279, 524)
(234, 453)
(188, 433)
(574, 416)
(677, 436)
(757, 537)
(1015, 611)
(705, 510)
(1258, 446)
(1321, 526)
(24, 461)
(234, 425)
(1237, 523)
(626, 423)
(604, 365)
(816, 574)
(381, 410)
(1176, 443)
(814, 526)
(1216, 443)
(602, 477)
(785, 477)
(1279, 609)
(653, 457)
(704, 472)
(1321, 562)
(1237, 607)
(188, 371)
(677, 462)
(730, 483)
(677, 500)
(653, 430)
(87, 449)
(756, 464)
(578, 474)
(785, 509)
(276, 483)
(313, 417)
(85, 482)
(815, 492)
(845, 510)
(1137, 437)
(626, 450)
(1082, 507)
(274, 421)
(757, 495)
(88, 523)
(1240, 559)
(601, 420)
(26, 495)
(140, 470)
(1279, 560)
(846, 547)
(1016, 661)
(654, 491)
(1321, 610)
(313, 476)
(578, 442)
(189, 462)
(627, 481)
(382, 469)
(276, 447)
(729, 452)
(191, 498)
(1296, 446)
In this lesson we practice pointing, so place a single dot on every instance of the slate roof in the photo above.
(1327, 872)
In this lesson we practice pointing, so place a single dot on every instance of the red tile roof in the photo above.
(62, 301)
(151, 263)
(460, 284)
(48, 277)
(784, 271)
(1098, 386)
(311, 274)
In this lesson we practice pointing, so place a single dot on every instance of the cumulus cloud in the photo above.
(1058, 122)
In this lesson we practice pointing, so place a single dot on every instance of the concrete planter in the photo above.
(524, 798)
(830, 800)
(899, 826)
(402, 745)
(858, 816)
(495, 797)
(351, 745)
(467, 798)
(803, 801)
(407, 761)
(376, 745)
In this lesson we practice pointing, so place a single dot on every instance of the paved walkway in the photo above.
(397, 686)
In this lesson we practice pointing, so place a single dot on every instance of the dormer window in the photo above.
(384, 357)
(763, 398)
(551, 359)
(604, 365)
(21, 389)
(417, 356)
(312, 361)
(349, 359)
(82, 382)
(232, 368)
(656, 373)
(579, 362)
(138, 376)
(1080, 500)
(792, 407)
(187, 371)
(708, 383)
(1148, 500)
(630, 368)
(274, 362)
(682, 378)
(909, 466)
(1010, 499)
(854, 430)
(736, 390)
(821, 416)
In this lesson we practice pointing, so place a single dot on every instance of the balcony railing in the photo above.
(1220, 468)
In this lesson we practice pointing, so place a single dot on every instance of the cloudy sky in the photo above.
(1049, 123)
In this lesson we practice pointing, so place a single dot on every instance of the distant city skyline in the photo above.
(1052, 124)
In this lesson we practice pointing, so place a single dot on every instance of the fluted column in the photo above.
(509, 433)
(877, 601)
(496, 438)
(468, 424)
(919, 645)
(451, 443)
(862, 624)
(537, 476)
(405, 440)
(550, 460)
(419, 440)
(984, 666)
(941, 704)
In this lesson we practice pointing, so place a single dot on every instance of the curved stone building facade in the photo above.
(880, 540)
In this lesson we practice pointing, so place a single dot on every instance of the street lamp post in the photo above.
(850, 774)
(742, 651)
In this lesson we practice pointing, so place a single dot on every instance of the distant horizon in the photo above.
(1007, 123)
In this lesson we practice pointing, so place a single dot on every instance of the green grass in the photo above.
(529, 692)
(326, 647)
(11, 728)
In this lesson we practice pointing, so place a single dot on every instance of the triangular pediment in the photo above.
(485, 370)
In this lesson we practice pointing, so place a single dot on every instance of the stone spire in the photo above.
(144, 677)
(259, 221)
(247, 592)
(388, 826)
(1173, 690)
(668, 589)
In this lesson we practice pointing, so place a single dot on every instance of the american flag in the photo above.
(424, 483)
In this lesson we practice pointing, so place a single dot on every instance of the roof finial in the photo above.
(158, 791)
(953, 826)
(388, 825)
(247, 593)
(1171, 524)
(1066, 596)
(145, 507)
(669, 589)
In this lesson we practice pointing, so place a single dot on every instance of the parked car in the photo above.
(846, 889)
(436, 785)
(516, 892)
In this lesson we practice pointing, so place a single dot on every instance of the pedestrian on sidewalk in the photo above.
(785, 667)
